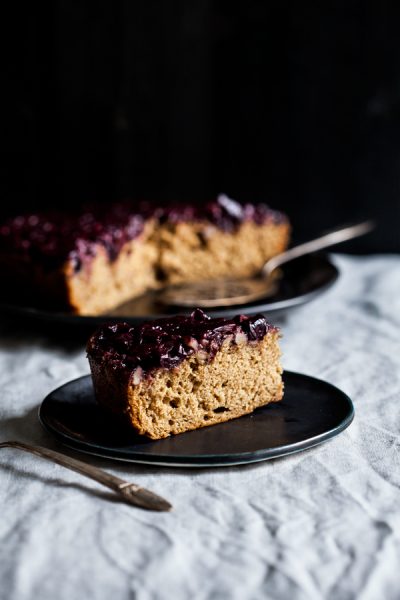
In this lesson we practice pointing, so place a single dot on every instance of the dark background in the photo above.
(296, 104)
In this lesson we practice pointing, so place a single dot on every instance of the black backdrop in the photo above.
(296, 104)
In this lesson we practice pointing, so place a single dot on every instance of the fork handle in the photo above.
(329, 239)
(131, 492)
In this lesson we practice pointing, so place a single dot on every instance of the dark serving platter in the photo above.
(311, 412)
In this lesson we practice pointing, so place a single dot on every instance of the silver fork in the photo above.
(130, 492)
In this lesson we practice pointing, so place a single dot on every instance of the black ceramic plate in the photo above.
(301, 281)
(311, 412)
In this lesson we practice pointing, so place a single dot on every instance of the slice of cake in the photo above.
(92, 261)
(219, 239)
(173, 375)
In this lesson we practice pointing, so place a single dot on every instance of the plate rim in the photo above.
(66, 318)
(202, 461)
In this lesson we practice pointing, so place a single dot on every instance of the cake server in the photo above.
(228, 292)
(129, 492)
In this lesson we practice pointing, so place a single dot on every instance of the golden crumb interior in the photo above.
(200, 250)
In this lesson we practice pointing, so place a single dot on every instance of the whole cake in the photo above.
(89, 262)
(173, 375)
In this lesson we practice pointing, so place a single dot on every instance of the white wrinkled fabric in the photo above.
(324, 523)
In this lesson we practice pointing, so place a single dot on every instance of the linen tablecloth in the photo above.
(324, 523)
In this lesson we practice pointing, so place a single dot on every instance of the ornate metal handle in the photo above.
(130, 492)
